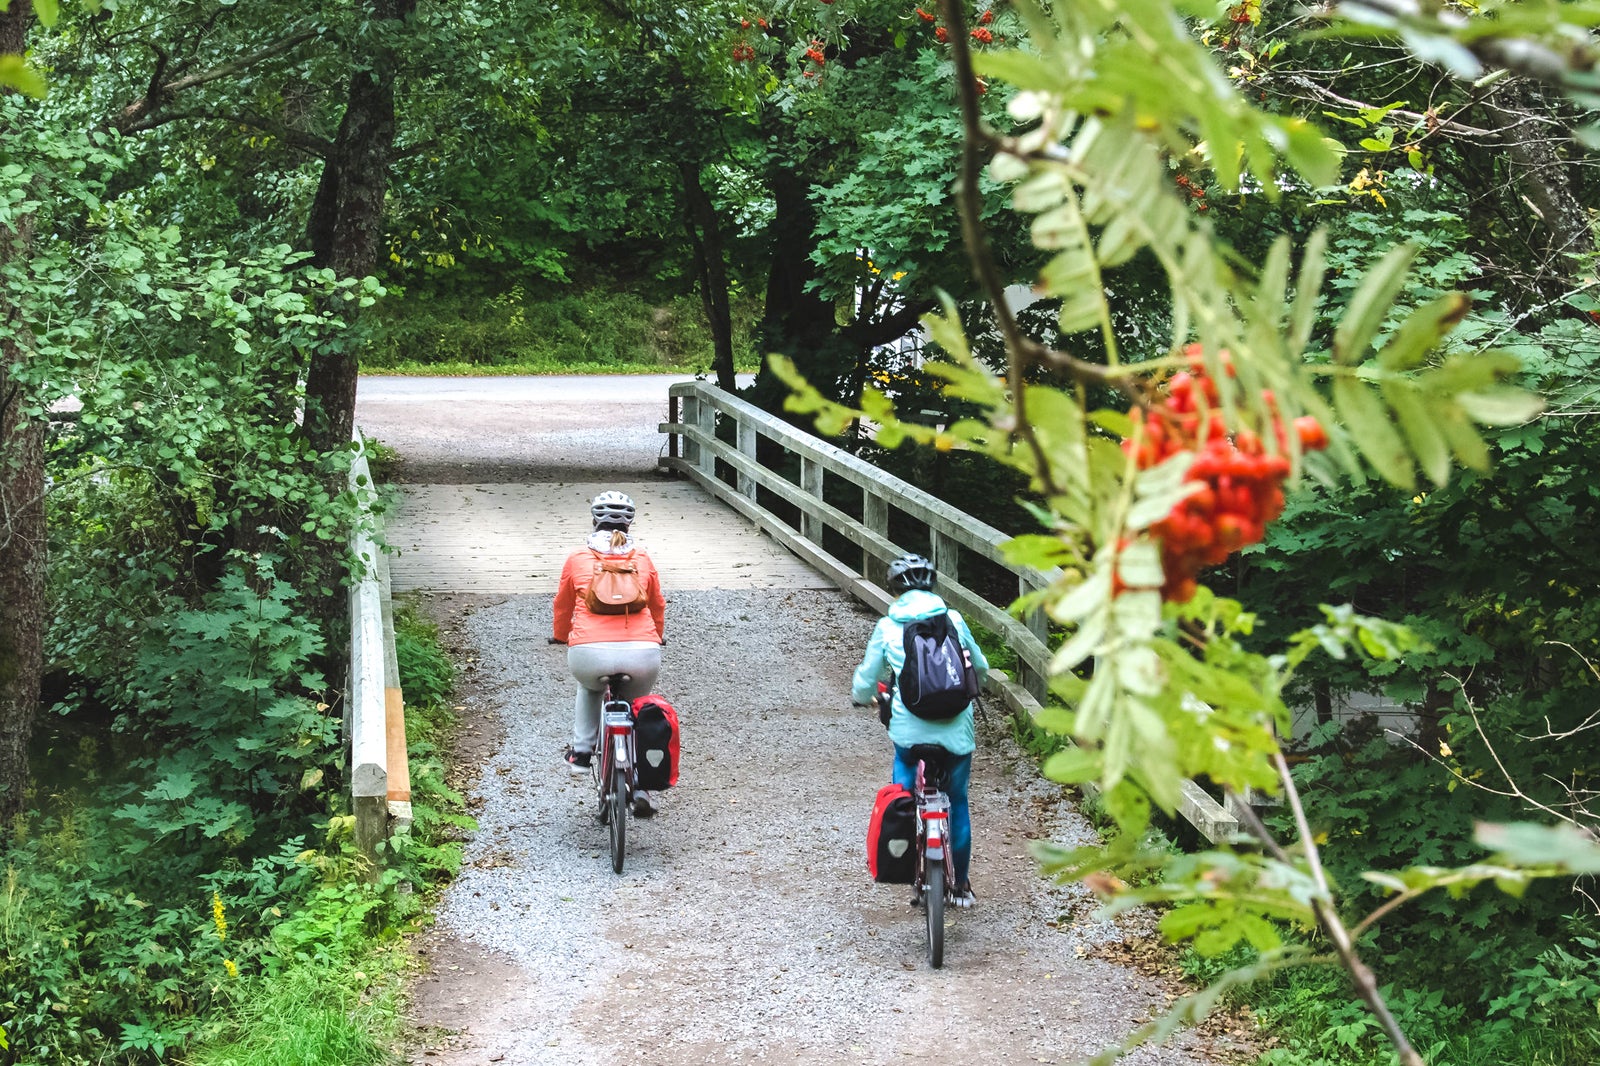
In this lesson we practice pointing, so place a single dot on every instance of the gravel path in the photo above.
(744, 928)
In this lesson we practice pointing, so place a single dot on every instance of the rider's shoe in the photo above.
(962, 897)
(577, 761)
(643, 806)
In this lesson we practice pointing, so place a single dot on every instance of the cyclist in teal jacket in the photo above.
(911, 579)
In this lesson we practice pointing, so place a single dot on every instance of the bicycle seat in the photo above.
(935, 762)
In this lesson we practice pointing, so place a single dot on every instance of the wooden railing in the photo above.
(380, 775)
(698, 410)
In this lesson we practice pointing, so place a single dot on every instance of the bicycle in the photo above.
(935, 882)
(934, 885)
(615, 772)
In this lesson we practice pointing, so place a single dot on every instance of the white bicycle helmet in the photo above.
(910, 572)
(612, 507)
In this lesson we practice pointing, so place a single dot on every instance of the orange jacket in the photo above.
(574, 623)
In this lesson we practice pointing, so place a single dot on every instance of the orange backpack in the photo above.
(616, 587)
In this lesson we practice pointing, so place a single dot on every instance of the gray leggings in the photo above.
(640, 659)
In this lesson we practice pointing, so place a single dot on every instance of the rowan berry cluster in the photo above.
(925, 16)
(986, 18)
(982, 35)
(815, 53)
(742, 52)
(1196, 192)
(1241, 484)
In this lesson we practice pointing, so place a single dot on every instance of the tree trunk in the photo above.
(705, 235)
(22, 530)
(795, 321)
(346, 226)
(1534, 137)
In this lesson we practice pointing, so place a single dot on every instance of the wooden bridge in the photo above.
(798, 513)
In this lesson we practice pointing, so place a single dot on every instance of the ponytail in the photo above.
(618, 538)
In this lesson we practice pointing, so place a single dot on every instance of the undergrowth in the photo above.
(589, 331)
(230, 952)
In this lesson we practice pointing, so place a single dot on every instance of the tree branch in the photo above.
(132, 117)
(1025, 352)
(309, 143)
(1322, 903)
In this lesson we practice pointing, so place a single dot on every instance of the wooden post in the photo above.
(691, 417)
(672, 418)
(399, 759)
(946, 557)
(747, 446)
(706, 418)
(369, 734)
(1039, 626)
(875, 516)
(810, 485)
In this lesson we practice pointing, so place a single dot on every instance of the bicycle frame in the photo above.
(933, 831)
(616, 743)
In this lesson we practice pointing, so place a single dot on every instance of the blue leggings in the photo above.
(956, 777)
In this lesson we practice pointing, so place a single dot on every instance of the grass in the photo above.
(567, 330)
(311, 1015)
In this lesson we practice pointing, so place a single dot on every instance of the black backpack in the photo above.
(937, 681)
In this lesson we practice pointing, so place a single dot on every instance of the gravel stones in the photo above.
(744, 926)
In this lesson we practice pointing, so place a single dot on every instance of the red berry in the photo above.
(1312, 436)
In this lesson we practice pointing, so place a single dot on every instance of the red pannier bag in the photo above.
(892, 837)
(655, 740)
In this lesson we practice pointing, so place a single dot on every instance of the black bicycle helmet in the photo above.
(612, 510)
(910, 572)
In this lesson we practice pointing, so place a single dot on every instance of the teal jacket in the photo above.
(886, 655)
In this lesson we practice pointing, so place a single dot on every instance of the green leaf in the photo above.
(1504, 406)
(1531, 844)
(1472, 372)
(1468, 446)
(1421, 429)
(1307, 289)
(1027, 70)
(1424, 329)
(1375, 436)
(1370, 304)
(1073, 765)
(16, 74)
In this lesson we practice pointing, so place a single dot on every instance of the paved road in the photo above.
(517, 429)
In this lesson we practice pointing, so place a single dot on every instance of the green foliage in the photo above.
(220, 699)
(1163, 687)
(311, 1016)
(235, 957)
(592, 330)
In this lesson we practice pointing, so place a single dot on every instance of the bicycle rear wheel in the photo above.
(933, 889)
(618, 802)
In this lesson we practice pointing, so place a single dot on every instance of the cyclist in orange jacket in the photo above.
(604, 644)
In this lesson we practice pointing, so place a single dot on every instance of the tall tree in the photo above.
(346, 230)
(22, 528)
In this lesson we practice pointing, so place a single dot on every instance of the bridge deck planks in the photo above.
(513, 538)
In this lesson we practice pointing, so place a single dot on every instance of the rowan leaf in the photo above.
(1375, 435)
(1370, 304)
